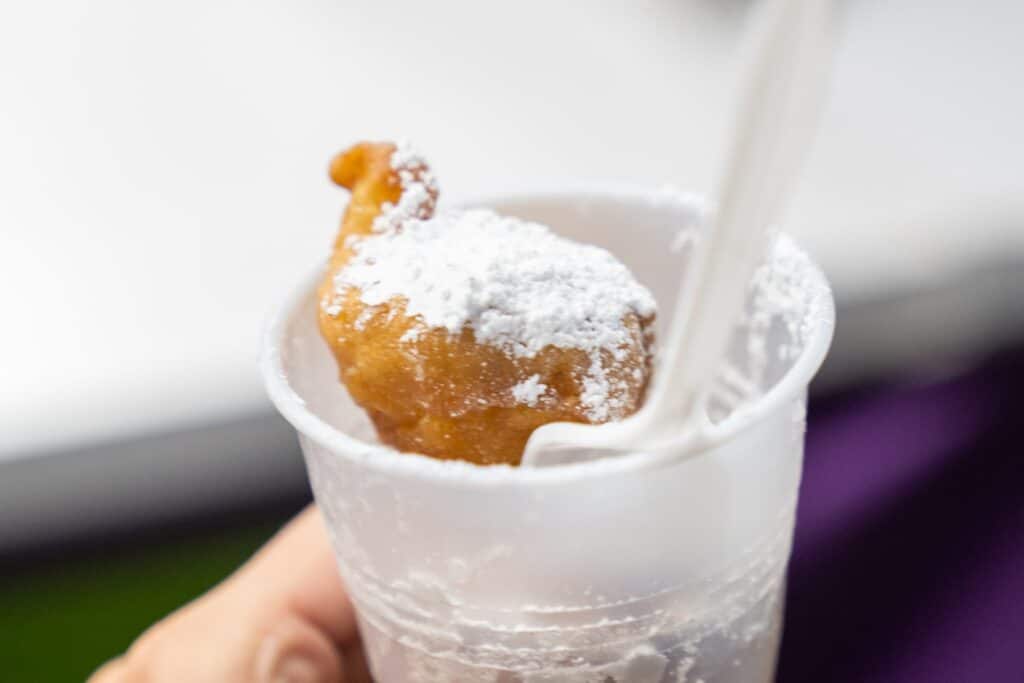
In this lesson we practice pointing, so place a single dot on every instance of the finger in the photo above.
(283, 616)
(298, 568)
(356, 669)
(295, 651)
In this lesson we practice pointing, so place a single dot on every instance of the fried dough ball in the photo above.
(443, 392)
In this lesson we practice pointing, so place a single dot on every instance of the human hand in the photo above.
(283, 617)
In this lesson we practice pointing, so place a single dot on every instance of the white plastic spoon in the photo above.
(780, 96)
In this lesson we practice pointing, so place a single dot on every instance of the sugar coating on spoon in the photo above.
(517, 285)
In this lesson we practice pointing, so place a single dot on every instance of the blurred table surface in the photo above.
(162, 185)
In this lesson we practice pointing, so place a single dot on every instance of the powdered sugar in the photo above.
(529, 391)
(515, 283)
(597, 396)
(419, 190)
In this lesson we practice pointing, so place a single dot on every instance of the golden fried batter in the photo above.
(435, 393)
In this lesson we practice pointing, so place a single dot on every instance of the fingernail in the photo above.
(296, 669)
(294, 652)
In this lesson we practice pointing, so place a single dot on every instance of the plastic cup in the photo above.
(640, 568)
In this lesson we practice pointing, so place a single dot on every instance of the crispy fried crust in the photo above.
(433, 393)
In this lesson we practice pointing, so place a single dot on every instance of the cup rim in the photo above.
(383, 459)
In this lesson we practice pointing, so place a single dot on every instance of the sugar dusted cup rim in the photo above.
(383, 459)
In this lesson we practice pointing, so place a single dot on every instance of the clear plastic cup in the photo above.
(640, 568)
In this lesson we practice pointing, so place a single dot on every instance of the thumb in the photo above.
(296, 652)
(283, 617)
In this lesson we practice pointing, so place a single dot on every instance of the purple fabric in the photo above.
(908, 562)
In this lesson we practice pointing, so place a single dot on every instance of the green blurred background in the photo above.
(61, 616)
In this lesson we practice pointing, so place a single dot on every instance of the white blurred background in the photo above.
(162, 185)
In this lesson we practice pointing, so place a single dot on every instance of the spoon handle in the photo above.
(780, 97)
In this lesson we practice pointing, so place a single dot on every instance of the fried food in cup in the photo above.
(443, 392)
